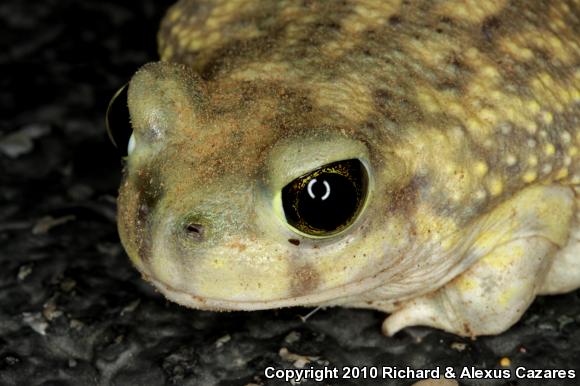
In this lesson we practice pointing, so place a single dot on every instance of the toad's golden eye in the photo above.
(117, 120)
(326, 200)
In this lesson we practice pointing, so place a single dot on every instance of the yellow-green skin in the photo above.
(466, 114)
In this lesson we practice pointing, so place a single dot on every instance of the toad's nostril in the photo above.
(195, 231)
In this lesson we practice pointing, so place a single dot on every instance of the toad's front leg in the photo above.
(493, 293)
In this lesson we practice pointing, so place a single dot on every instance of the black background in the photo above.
(73, 311)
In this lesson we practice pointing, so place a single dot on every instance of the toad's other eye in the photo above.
(117, 120)
(326, 200)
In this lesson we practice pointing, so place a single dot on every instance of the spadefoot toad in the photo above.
(415, 157)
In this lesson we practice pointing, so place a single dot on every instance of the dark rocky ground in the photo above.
(73, 311)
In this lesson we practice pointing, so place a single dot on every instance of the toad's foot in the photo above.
(564, 275)
(493, 293)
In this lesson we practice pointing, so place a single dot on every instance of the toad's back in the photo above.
(489, 90)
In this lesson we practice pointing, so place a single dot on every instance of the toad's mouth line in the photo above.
(335, 296)
(216, 304)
